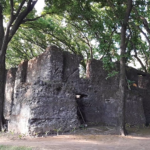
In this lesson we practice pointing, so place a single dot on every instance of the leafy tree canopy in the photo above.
(90, 28)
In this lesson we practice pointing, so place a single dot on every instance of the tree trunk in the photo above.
(2, 87)
(2, 68)
(121, 119)
(122, 81)
(1, 27)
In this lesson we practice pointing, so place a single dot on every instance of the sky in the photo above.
(39, 6)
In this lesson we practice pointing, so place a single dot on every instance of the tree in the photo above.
(33, 37)
(16, 12)
(122, 80)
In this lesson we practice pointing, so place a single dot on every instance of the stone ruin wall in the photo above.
(100, 103)
(45, 94)
(37, 100)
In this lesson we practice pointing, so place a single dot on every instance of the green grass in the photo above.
(2, 147)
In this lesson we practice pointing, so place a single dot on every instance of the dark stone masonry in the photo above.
(46, 95)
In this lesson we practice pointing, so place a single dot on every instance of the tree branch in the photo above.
(33, 19)
(136, 56)
(144, 21)
(12, 7)
(90, 47)
(144, 35)
(20, 7)
(128, 11)
(146, 25)
(21, 17)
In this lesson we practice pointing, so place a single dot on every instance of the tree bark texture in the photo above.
(2, 87)
(2, 68)
(1, 27)
(122, 81)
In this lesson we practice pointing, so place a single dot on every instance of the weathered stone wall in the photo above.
(9, 88)
(99, 104)
(141, 86)
(45, 94)
(99, 98)
(41, 101)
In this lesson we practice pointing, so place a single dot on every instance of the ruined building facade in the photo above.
(46, 94)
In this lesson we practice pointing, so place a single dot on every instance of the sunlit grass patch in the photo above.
(3, 147)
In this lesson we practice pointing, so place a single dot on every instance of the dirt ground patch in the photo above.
(95, 138)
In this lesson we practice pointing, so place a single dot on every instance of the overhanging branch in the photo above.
(144, 21)
(20, 7)
(33, 19)
(12, 7)
(21, 17)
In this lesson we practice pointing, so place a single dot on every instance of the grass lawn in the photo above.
(2, 147)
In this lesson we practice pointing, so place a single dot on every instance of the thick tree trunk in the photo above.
(2, 87)
(2, 68)
(2, 81)
(1, 27)
(122, 81)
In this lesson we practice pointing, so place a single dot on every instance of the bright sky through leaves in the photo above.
(39, 6)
